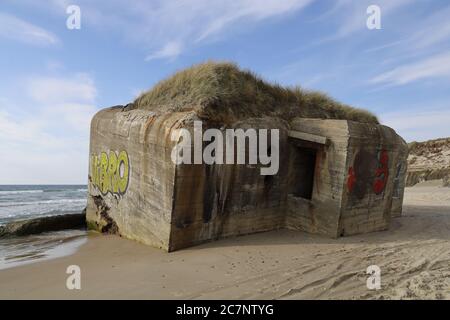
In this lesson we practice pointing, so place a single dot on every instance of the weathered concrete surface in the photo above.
(359, 179)
(321, 213)
(131, 181)
(45, 224)
(336, 177)
(377, 159)
(220, 200)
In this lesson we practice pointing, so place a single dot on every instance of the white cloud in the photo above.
(74, 116)
(48, 142)
(191, 22)
(420, 34)
(419, 126)
(433, 30)
(80, 87)
(170, 50)
(166, 28)
(24, 131)
(432, 67)
(226, 13)
(17, 29)
(351, 16)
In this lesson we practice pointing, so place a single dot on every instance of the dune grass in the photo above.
(223, 92)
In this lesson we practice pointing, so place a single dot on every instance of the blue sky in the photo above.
(54, 79)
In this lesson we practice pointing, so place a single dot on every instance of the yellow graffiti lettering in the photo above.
(123, 169)
(110, 172)
(104, 176)
(112, 168)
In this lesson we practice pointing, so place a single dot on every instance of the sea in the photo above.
(22, 202)
(19, 202)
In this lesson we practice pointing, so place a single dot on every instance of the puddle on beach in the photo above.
(24, 250)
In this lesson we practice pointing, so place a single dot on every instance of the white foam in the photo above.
(20, 191)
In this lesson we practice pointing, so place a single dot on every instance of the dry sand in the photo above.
(414, 257)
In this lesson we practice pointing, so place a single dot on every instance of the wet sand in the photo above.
(414, 257)
(16, 251)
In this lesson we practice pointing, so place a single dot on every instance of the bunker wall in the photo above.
(375, 175)
(320, 212)
(132, 197)
(221, 200)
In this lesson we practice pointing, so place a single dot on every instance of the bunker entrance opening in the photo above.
(303, 172)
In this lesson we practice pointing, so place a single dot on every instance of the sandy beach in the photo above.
(414, 257)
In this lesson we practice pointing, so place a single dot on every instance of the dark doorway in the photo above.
(303, 164)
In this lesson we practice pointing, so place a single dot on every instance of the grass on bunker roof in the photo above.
(221, 90)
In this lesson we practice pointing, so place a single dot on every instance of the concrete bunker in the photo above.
(339, 168)
(303, 161)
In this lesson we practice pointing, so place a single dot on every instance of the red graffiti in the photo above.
(351, 179)
(382, 173)
(368, 171)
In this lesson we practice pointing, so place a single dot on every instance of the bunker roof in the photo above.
(222, 92)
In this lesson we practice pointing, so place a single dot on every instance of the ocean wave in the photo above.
(23, 215)
(20, 191)
(42, 202)
(66, 190)
(50, 213)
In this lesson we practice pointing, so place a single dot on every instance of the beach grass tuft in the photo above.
(222, 91)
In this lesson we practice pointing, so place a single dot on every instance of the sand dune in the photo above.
(429, 161)
(414, 257)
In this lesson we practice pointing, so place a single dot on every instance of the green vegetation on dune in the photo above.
(223, 92)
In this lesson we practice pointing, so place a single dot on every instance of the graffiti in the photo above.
(381, 173)
(397, 190)
(359, 174)
(110, 173)
(351, 179)
(368, 171)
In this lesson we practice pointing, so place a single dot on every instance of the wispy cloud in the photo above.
(14, 28)
(349, 16)
(226, 13)
(420, 35)
(419, 125)
(432, 30)
(195, 21)
(171, 50)
(432, 67)
(78, 88)
(166, 28)
(50, 133)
